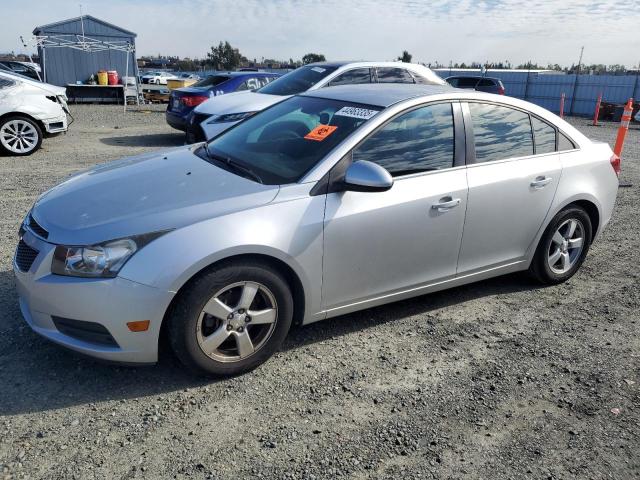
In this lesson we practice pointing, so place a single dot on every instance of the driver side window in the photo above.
(417, 141)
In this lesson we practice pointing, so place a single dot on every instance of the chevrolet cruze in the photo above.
(326, 203)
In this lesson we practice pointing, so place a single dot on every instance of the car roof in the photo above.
(479, 77)
(378, 94)
(359, 63)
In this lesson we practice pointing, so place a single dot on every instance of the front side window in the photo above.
(417, 141)
(544, 135)
(394, 75)
(355, 76)
(300, 80)
(500, 132)
(279, 145)
(467, 82)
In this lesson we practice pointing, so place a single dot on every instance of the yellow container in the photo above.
(103, 79)
(179, 83)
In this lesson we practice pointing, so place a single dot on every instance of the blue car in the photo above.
(183, 100)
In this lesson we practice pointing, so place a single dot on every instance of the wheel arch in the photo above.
(17, 113)
(284, 269)
(589, 203)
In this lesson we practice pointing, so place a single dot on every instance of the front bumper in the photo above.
(55, 124)
(108, 302)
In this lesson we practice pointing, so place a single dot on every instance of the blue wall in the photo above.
(581, 91)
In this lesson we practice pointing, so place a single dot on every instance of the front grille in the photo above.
(89, 332)
(25, 256)
(37, 228)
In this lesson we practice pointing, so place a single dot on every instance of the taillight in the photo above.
(193, 101)
(615, 163)
(500, 90)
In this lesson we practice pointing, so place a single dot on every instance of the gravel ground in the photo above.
(500, 379)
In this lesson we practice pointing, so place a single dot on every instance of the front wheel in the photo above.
(19, 136)
(563, 246)
(231, 319)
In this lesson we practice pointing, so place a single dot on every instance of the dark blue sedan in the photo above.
(183, 100)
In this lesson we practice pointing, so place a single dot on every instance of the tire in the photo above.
(559, 254)
(211, 345)
(19, 136)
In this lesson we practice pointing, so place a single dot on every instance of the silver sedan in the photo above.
(325, 203)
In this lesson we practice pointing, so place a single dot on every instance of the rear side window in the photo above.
(417, 141)
(394, 75)
(356, 76)
(565, 143)
(544, 135)
(500, 132)
(211, 81)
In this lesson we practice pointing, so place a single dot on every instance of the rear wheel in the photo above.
(231, 319)
(563, 246)
(19, 135)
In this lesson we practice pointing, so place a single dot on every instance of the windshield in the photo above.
(211, 81)
(279, 145)
(298, 81)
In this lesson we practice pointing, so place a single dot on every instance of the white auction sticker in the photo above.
(363, 113)
(318, 69)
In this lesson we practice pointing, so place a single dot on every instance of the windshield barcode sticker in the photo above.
(318, 69)
(363, 113)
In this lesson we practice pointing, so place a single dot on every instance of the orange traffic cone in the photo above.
(624, 127)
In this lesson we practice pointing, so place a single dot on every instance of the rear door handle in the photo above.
(446, 203)
(541, 182)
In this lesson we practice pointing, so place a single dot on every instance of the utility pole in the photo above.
(580, 60)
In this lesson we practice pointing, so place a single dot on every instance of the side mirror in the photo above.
(365, 176)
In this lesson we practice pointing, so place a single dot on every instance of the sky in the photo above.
(543, 31)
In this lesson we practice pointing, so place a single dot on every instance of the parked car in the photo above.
(157, 78)
(22, 68)
(183, 100)
(481, 84)
(329, 202)
(29, 111)
(218, 114)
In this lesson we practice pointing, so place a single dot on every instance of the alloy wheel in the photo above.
(566, 246)
(237, 321)
(18, 136)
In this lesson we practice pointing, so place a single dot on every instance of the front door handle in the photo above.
(446, 203)
(541, 182)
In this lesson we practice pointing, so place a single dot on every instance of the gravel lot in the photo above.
(500, 379)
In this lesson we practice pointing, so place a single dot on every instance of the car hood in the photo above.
(238, 102)
(143, 194)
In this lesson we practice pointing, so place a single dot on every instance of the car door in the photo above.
(511, 185)
(376, 244)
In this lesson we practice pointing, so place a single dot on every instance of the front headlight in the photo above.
(230, 117)
(98, 261)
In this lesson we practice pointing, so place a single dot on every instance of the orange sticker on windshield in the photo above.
(320, 132)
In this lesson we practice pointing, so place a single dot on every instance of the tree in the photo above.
(406, 57)
(313, 58)
(224, 57)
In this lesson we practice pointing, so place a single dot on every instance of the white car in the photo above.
(158, 78)
(220, 113)
(29, 111)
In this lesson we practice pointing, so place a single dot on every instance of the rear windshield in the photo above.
(298, 81)
(282, 143)
(211, 81)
